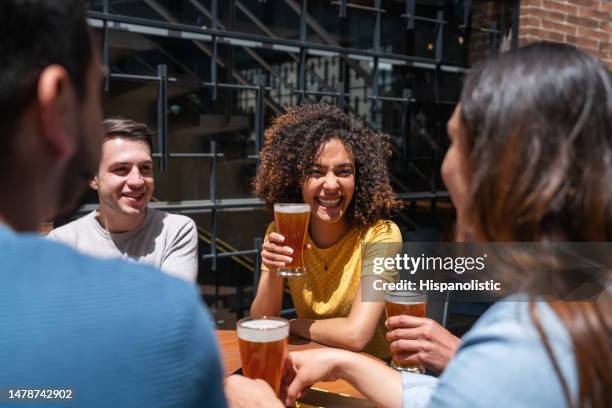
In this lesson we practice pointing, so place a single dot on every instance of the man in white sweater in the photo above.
(123, 226)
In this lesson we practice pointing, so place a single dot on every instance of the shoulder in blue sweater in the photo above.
(115, 332)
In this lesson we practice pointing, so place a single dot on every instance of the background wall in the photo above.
(584, 23)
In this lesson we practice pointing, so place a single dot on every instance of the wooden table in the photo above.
(228, 343)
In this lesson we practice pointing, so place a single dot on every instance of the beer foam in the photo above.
(405, 297)
(263, 330)
(292, 208)
(410, 303)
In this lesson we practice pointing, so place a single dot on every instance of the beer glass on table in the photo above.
(412, 303)
(263, 348)
(292, 223)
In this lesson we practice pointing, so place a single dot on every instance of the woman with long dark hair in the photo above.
(530, 160)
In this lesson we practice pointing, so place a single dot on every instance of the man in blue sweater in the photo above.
(74, 330)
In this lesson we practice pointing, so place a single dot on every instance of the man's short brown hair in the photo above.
(128, 129)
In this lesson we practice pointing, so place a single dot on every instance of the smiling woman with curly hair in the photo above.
(315, 154)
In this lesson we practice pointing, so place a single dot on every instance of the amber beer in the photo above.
(263, 348)
(292, 223)
(405, 303)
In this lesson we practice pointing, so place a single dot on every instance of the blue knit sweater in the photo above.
(117, 334)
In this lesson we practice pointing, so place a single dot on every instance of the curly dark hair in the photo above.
(292, 144)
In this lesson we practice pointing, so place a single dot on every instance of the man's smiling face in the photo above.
(125, 177)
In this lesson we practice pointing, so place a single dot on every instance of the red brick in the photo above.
(559, 6)
(584, 21)
(527, 39)
(593, 13)
(601, 55)
(527, 10)
(546, 14)
(586, 43)
(585, 3)
(593, 34)
(536, 32)
(605, 6)
(530, 21)
(563, 28)
(552, 36)
(552, 15)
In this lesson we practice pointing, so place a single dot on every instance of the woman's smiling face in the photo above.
(330, 183)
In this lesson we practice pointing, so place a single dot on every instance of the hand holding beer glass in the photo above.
(410, 303)
(263, 348)
(292, 223)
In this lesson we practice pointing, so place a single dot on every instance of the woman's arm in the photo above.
(269, 297)
(352, 332)
(380, 384)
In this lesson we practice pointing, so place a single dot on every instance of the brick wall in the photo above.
(584, 23)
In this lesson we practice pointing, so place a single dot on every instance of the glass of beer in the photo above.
(412, 303)
(263, 348)
(292, 223)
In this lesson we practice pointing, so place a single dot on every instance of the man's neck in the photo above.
(19, 213)
(4, 221)
(116, 223)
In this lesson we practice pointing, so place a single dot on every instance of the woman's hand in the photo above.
(304, 368)
(274, 254)
(421, 341)
(379, 383)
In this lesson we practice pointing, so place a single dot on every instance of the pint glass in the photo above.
(263, 348)
(292, 223)
(405, 303)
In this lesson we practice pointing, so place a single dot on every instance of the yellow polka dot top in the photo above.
(333, 276)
